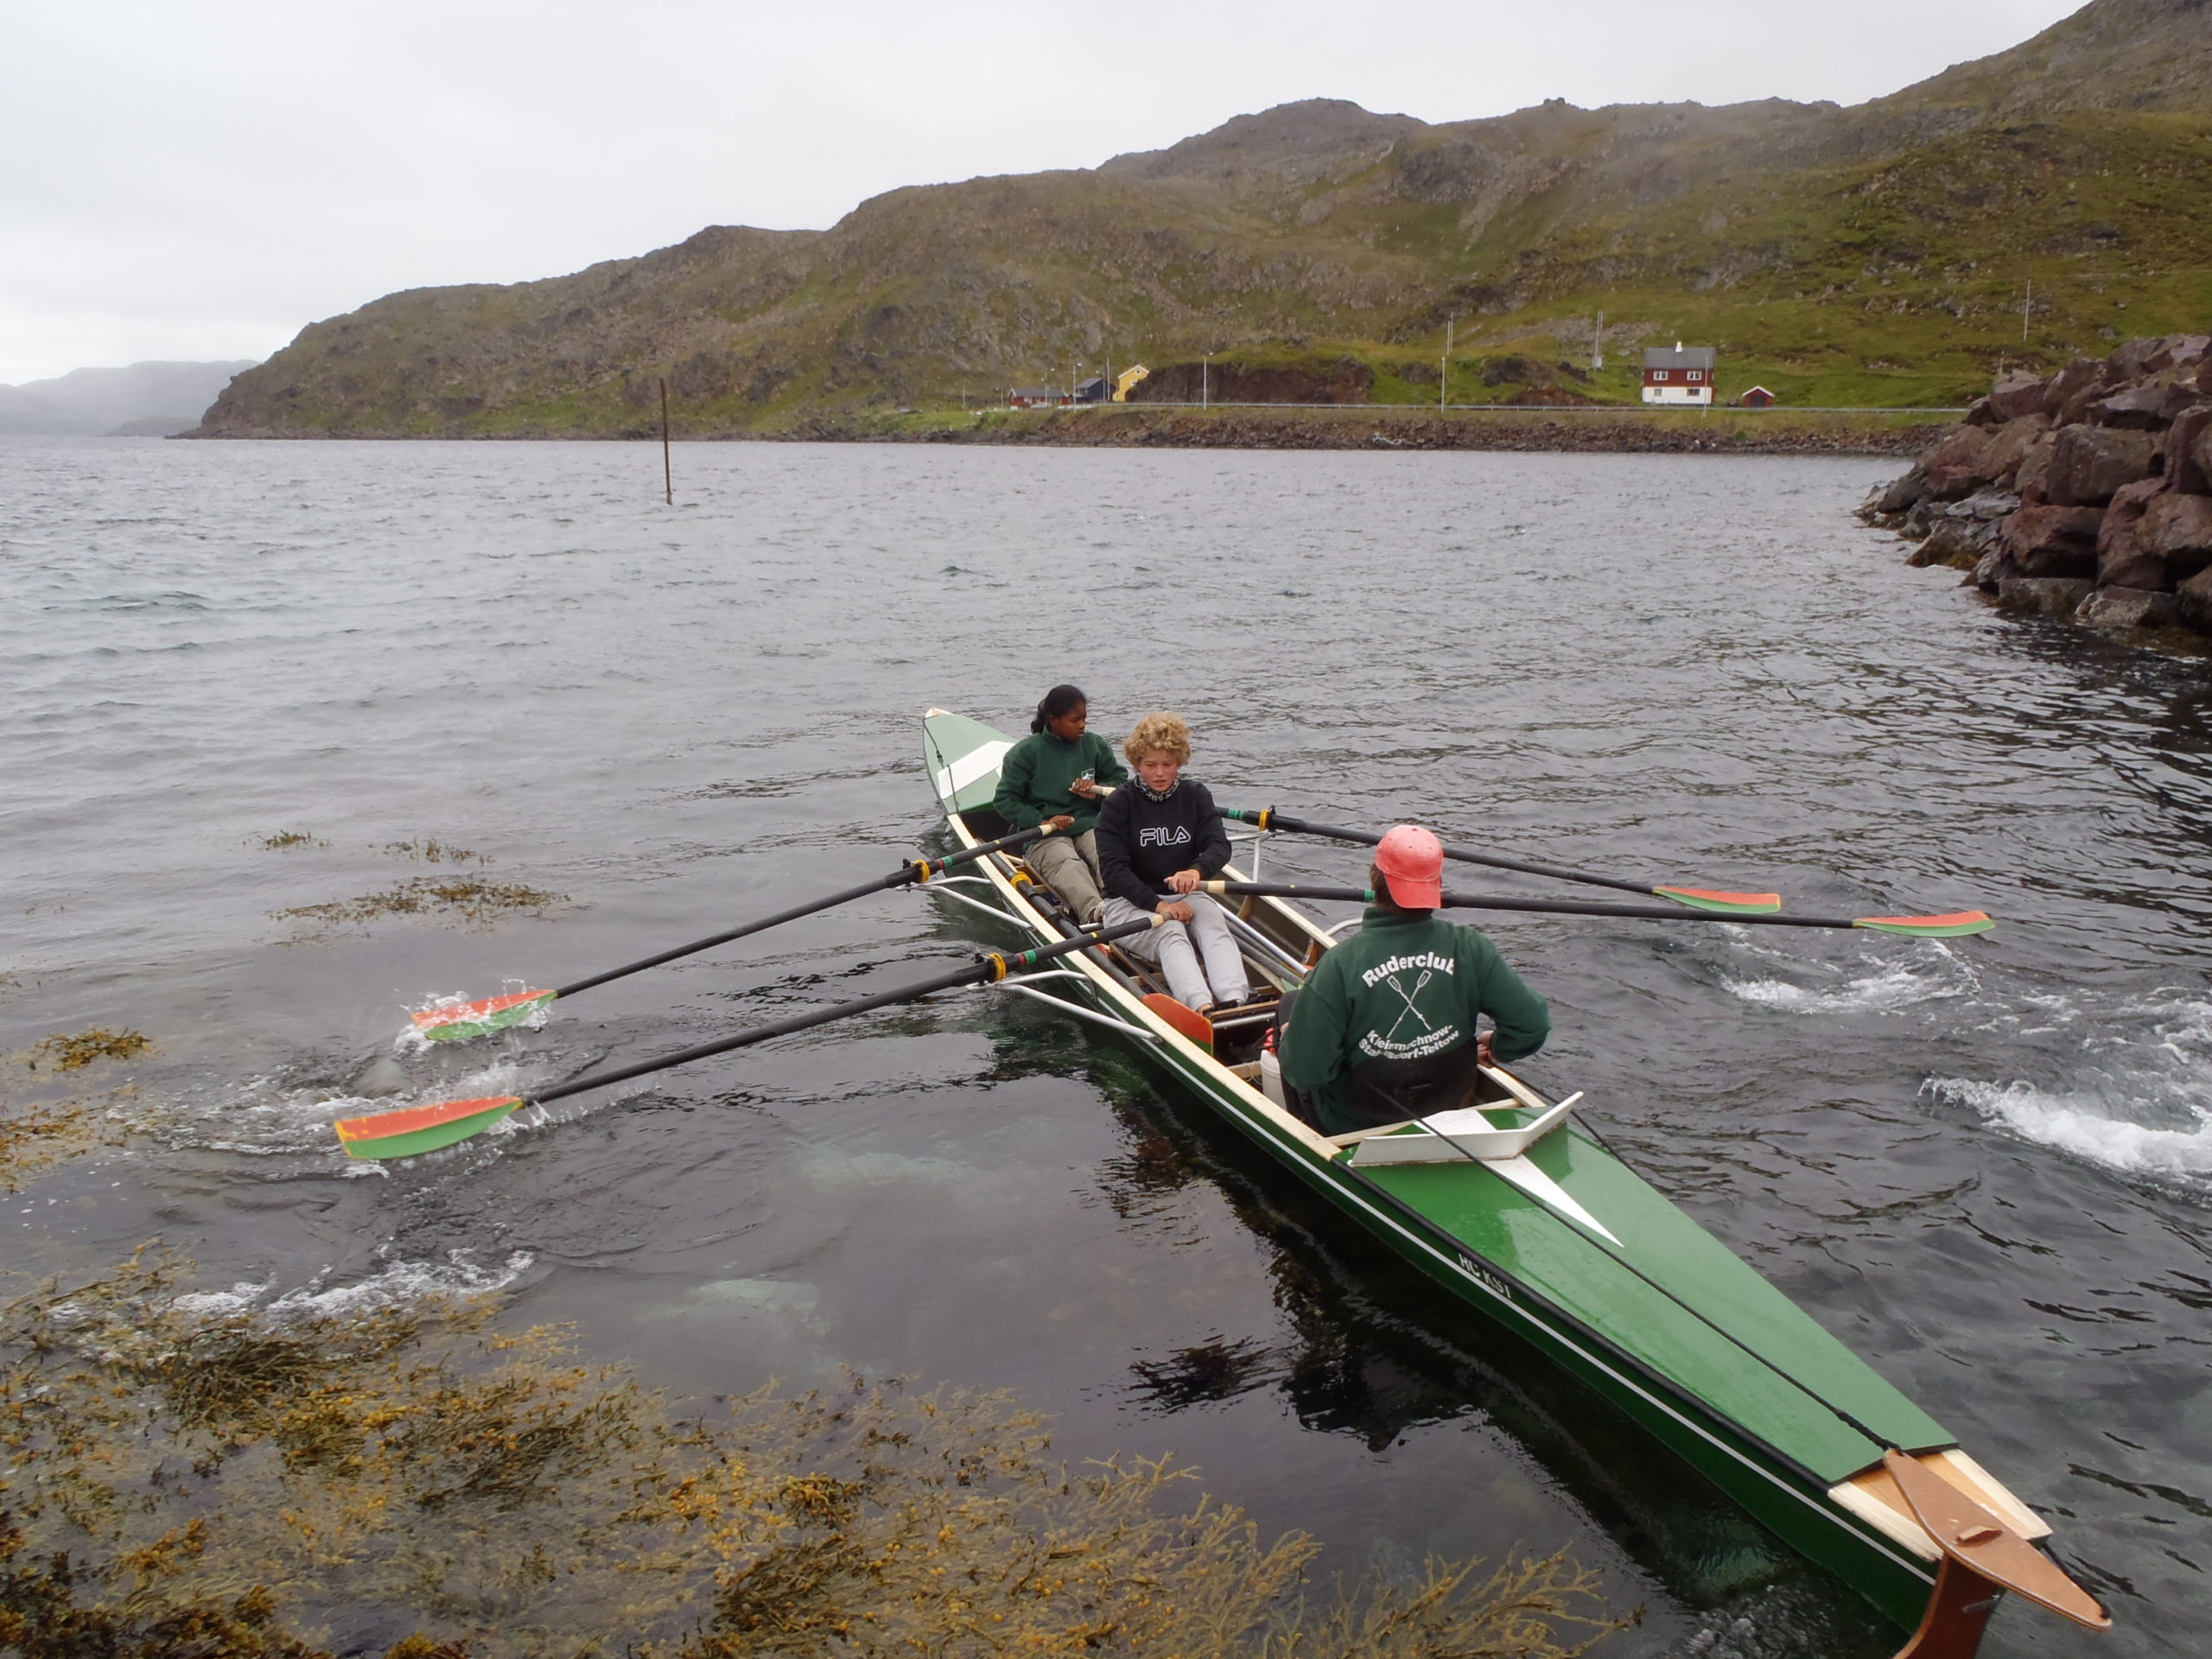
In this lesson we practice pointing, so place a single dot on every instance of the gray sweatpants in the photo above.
(1222, 981)
(1069, 865)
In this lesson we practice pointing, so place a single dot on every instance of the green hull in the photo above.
(1578, 1254)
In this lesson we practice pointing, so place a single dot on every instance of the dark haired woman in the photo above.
(1057, 775)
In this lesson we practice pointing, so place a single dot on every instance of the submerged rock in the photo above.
(382, 1075)
(2129, 607)
(2056, 596)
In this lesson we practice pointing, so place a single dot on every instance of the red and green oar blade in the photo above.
(413, 1129)
(1922, 927)
(456, 1022)
(1187, 1020)
(416, 1129)
(1956, 926)
(1723, 904)
(460, 1021)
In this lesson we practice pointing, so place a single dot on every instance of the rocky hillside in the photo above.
(1880, 254)
(2086, 494)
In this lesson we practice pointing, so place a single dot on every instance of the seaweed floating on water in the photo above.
(174, 1458)
(73, 1052)
(285, 839)
(433, 852)
(470, 897)
(33, 1137)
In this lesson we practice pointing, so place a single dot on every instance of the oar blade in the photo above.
(459, 1021)
(1956, 926)
(415, 1130)
(1725, 904)
(1187, 1020)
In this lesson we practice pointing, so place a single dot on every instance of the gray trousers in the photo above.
(1220, 980)
(1069, 865)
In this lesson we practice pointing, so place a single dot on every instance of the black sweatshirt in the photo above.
(1142, 841)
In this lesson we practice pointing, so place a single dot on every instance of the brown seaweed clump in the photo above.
(284, 840)
(36, 1135)
(180, 1472)
(432, 852)
(475, 899)
(74, 1051)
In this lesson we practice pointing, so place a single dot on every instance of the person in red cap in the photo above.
(1385, 1027)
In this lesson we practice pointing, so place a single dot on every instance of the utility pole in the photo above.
(1598, 345)
(1205, 380)
(667, 466)
(1444, 366)
(2026, 306)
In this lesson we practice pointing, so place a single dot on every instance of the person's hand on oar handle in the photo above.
(1064, 822)
(1181, 881)
(1086, 787)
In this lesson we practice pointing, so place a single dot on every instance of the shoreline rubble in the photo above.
(2084, 495)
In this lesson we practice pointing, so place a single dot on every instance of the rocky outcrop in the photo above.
(2086, 493)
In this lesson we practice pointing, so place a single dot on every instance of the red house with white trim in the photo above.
(1681, 376)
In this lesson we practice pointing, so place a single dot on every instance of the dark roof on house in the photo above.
(1684, 357)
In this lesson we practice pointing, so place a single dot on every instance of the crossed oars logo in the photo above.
(1420, 985)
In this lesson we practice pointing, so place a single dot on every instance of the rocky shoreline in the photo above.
(2085, 495)
(1721, 431)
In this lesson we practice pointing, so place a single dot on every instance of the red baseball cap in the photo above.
(1412, 863)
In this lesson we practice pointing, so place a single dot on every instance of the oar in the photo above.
(416, 1129)
(1728, 904)
(459, 1021)
(1918, 927)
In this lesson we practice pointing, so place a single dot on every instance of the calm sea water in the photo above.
(1986, 1165)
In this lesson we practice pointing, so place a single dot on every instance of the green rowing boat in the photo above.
(1513, 1207)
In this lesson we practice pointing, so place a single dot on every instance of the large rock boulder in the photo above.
(2033, 478)
(2150, 407)
(2188, 453)
(2009, 443)
(2018, 393)
(2080, 380)
(1903, 491)
(2058, 596)
(2090, 464)
(2123, 560)
(2195, 598)
(1958, 543)
(2178, 529)
(2129, 607)
(1960, 464)
(2053, 541)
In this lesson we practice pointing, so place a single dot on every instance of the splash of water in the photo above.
(2100, 1116)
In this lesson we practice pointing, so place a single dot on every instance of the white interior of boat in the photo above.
(1470, 1132)
(1875, 1498)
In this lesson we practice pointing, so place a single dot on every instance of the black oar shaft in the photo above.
(1271, 819)
(993, 967)
(1542, 906)
(913, 871)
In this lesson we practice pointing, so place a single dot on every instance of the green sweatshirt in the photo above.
(1402, 987)
(1034, 780)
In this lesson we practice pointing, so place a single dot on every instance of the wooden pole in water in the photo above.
(667, 466)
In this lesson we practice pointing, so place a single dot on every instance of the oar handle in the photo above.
(1267, 817)
(920, 869)
(1963, 922)
(995, 966)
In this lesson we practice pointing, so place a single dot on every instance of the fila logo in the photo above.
(1179, 835)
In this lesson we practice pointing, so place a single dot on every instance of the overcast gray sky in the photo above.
(201, 180)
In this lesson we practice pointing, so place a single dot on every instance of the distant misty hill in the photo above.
(151, 399)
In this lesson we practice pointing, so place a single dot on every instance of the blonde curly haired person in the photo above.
(1158, 837)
